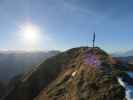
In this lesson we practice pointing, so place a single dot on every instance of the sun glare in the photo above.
(30, 35)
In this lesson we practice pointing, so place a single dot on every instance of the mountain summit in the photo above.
(78, 74)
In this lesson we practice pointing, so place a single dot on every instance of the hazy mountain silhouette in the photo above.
(13, 63)
(123, 54)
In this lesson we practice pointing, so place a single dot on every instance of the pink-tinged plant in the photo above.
(91, 59)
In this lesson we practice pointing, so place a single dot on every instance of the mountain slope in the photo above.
(77, 74)
(29, 86)
(86, 81)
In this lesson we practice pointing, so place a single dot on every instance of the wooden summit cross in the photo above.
(94, 37)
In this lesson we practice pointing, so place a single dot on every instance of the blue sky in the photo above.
(68, 23)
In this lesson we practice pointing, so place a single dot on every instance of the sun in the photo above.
(30, 33)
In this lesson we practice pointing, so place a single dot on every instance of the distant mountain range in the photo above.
(13, 63)
(126, 57)
(123, 54)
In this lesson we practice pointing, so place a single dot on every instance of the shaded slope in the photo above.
(2, 89)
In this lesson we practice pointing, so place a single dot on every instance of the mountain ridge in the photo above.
(80, 87)
(88, 73)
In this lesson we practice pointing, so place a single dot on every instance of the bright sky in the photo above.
(63, 24)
